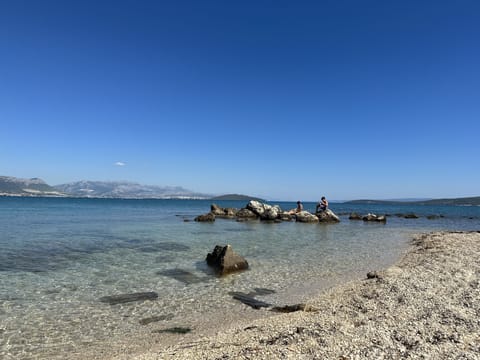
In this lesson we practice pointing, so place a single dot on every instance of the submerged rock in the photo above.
(411, 216)
(225, 260)
(125, 298)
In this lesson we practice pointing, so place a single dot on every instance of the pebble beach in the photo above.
(425, 306)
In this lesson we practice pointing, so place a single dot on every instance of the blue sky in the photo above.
(282, 99)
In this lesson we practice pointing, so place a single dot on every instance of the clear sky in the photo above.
(281, 99)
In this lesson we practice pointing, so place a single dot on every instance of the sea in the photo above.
(59, 257)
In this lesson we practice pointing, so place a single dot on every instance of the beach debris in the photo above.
(125, 298)
(225, 260)
(174, 330)
(327, 216)
(208, 217)
(156, 318)
(182, 275)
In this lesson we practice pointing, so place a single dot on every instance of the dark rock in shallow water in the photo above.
(209, 217)
(433, 217)
(249, 300)
(157, 318)
(125, 298)
(182, 275)
(225, 260)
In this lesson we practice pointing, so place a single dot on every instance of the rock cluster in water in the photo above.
(273, 213)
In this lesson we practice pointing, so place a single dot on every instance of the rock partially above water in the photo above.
(208, 217)
(306, 217)
(246, 214)
(228, 213)
(327, 216)
(225, 260)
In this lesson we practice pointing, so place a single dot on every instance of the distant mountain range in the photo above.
(126, 190)
(11, 186)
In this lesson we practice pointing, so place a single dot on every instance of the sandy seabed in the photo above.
(427, 306)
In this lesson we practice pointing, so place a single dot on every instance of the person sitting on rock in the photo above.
(322, 205)
(297, 209)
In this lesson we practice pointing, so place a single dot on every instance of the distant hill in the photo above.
(12, 186)
(455, 201)
(233, 197)
(126, 190)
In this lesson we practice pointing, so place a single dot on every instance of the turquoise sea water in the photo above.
(60, 256)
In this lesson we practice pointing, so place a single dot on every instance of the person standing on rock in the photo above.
(322, 205)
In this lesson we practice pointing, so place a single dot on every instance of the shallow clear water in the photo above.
(60, 256)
